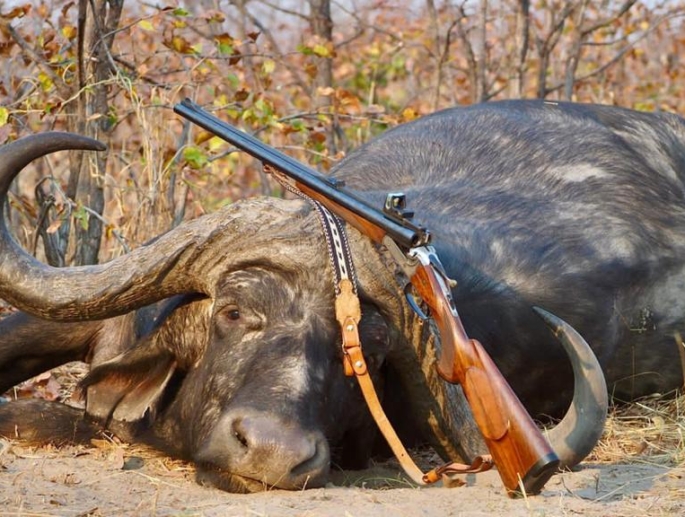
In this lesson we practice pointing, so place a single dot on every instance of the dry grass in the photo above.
(648, 430)
(636, 470)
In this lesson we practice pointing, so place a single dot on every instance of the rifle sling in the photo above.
(348, 314)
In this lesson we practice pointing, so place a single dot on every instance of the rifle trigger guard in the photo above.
(412, 303)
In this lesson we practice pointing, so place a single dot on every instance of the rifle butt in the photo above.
(524, 458)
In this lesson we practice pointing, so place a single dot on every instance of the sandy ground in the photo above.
(120, 480)
(625, 476)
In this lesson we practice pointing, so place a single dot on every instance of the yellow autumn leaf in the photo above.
(4, 115)
(69, 31)
(268, 66)
(321, 50)
(409, 114)
(179, 44)
(221, 100)
(146, 25)
(215, 143)
(45, 81)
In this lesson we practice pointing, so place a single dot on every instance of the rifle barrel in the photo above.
(403, 232)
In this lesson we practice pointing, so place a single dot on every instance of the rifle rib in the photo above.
(403, 232)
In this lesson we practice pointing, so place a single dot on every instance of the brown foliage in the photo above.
(268, 70)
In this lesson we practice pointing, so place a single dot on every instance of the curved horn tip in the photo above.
(553, 321)
(582, 426)
(69, 140)
(18, 154)
(52, 141)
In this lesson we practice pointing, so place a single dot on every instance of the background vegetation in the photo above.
(316, 78)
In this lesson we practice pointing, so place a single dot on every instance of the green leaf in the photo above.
(180, 11)
(304, 49)
(298, 125)
(225, 49)
(81, 217)
(195, 157)
(234, 80)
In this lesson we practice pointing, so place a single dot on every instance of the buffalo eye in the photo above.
(231, 313)
(231, 316)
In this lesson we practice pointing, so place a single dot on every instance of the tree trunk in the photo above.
(321, 26)
(98, 20)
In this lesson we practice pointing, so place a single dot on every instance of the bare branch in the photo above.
(32, 55)
(283, 10)
(523, 40)
(294, 71)
(468, 48)
(482, 60)
(547, 44)
(677, 13)
(609, 20)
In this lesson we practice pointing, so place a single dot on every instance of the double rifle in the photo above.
(523, 456)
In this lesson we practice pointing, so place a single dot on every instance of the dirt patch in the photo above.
(120, 480)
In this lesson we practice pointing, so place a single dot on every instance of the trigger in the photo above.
(409, 295)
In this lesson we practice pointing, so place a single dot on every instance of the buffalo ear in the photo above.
(126, 387)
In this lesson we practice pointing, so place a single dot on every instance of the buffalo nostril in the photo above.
(241, 439)
(239, 434)
(315, 462)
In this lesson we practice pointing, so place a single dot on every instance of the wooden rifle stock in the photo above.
(524, 458)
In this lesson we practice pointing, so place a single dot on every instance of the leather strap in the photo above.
(348, 315)
(354, 356)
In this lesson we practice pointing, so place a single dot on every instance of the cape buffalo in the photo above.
(574, 208)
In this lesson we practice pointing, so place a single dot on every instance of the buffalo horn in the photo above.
(574, 437)
(144, 276)
(178, 262)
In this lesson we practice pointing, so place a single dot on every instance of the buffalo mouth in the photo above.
(250, 450)
(213, 476)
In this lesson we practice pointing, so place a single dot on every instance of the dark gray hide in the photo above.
(575, 208)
